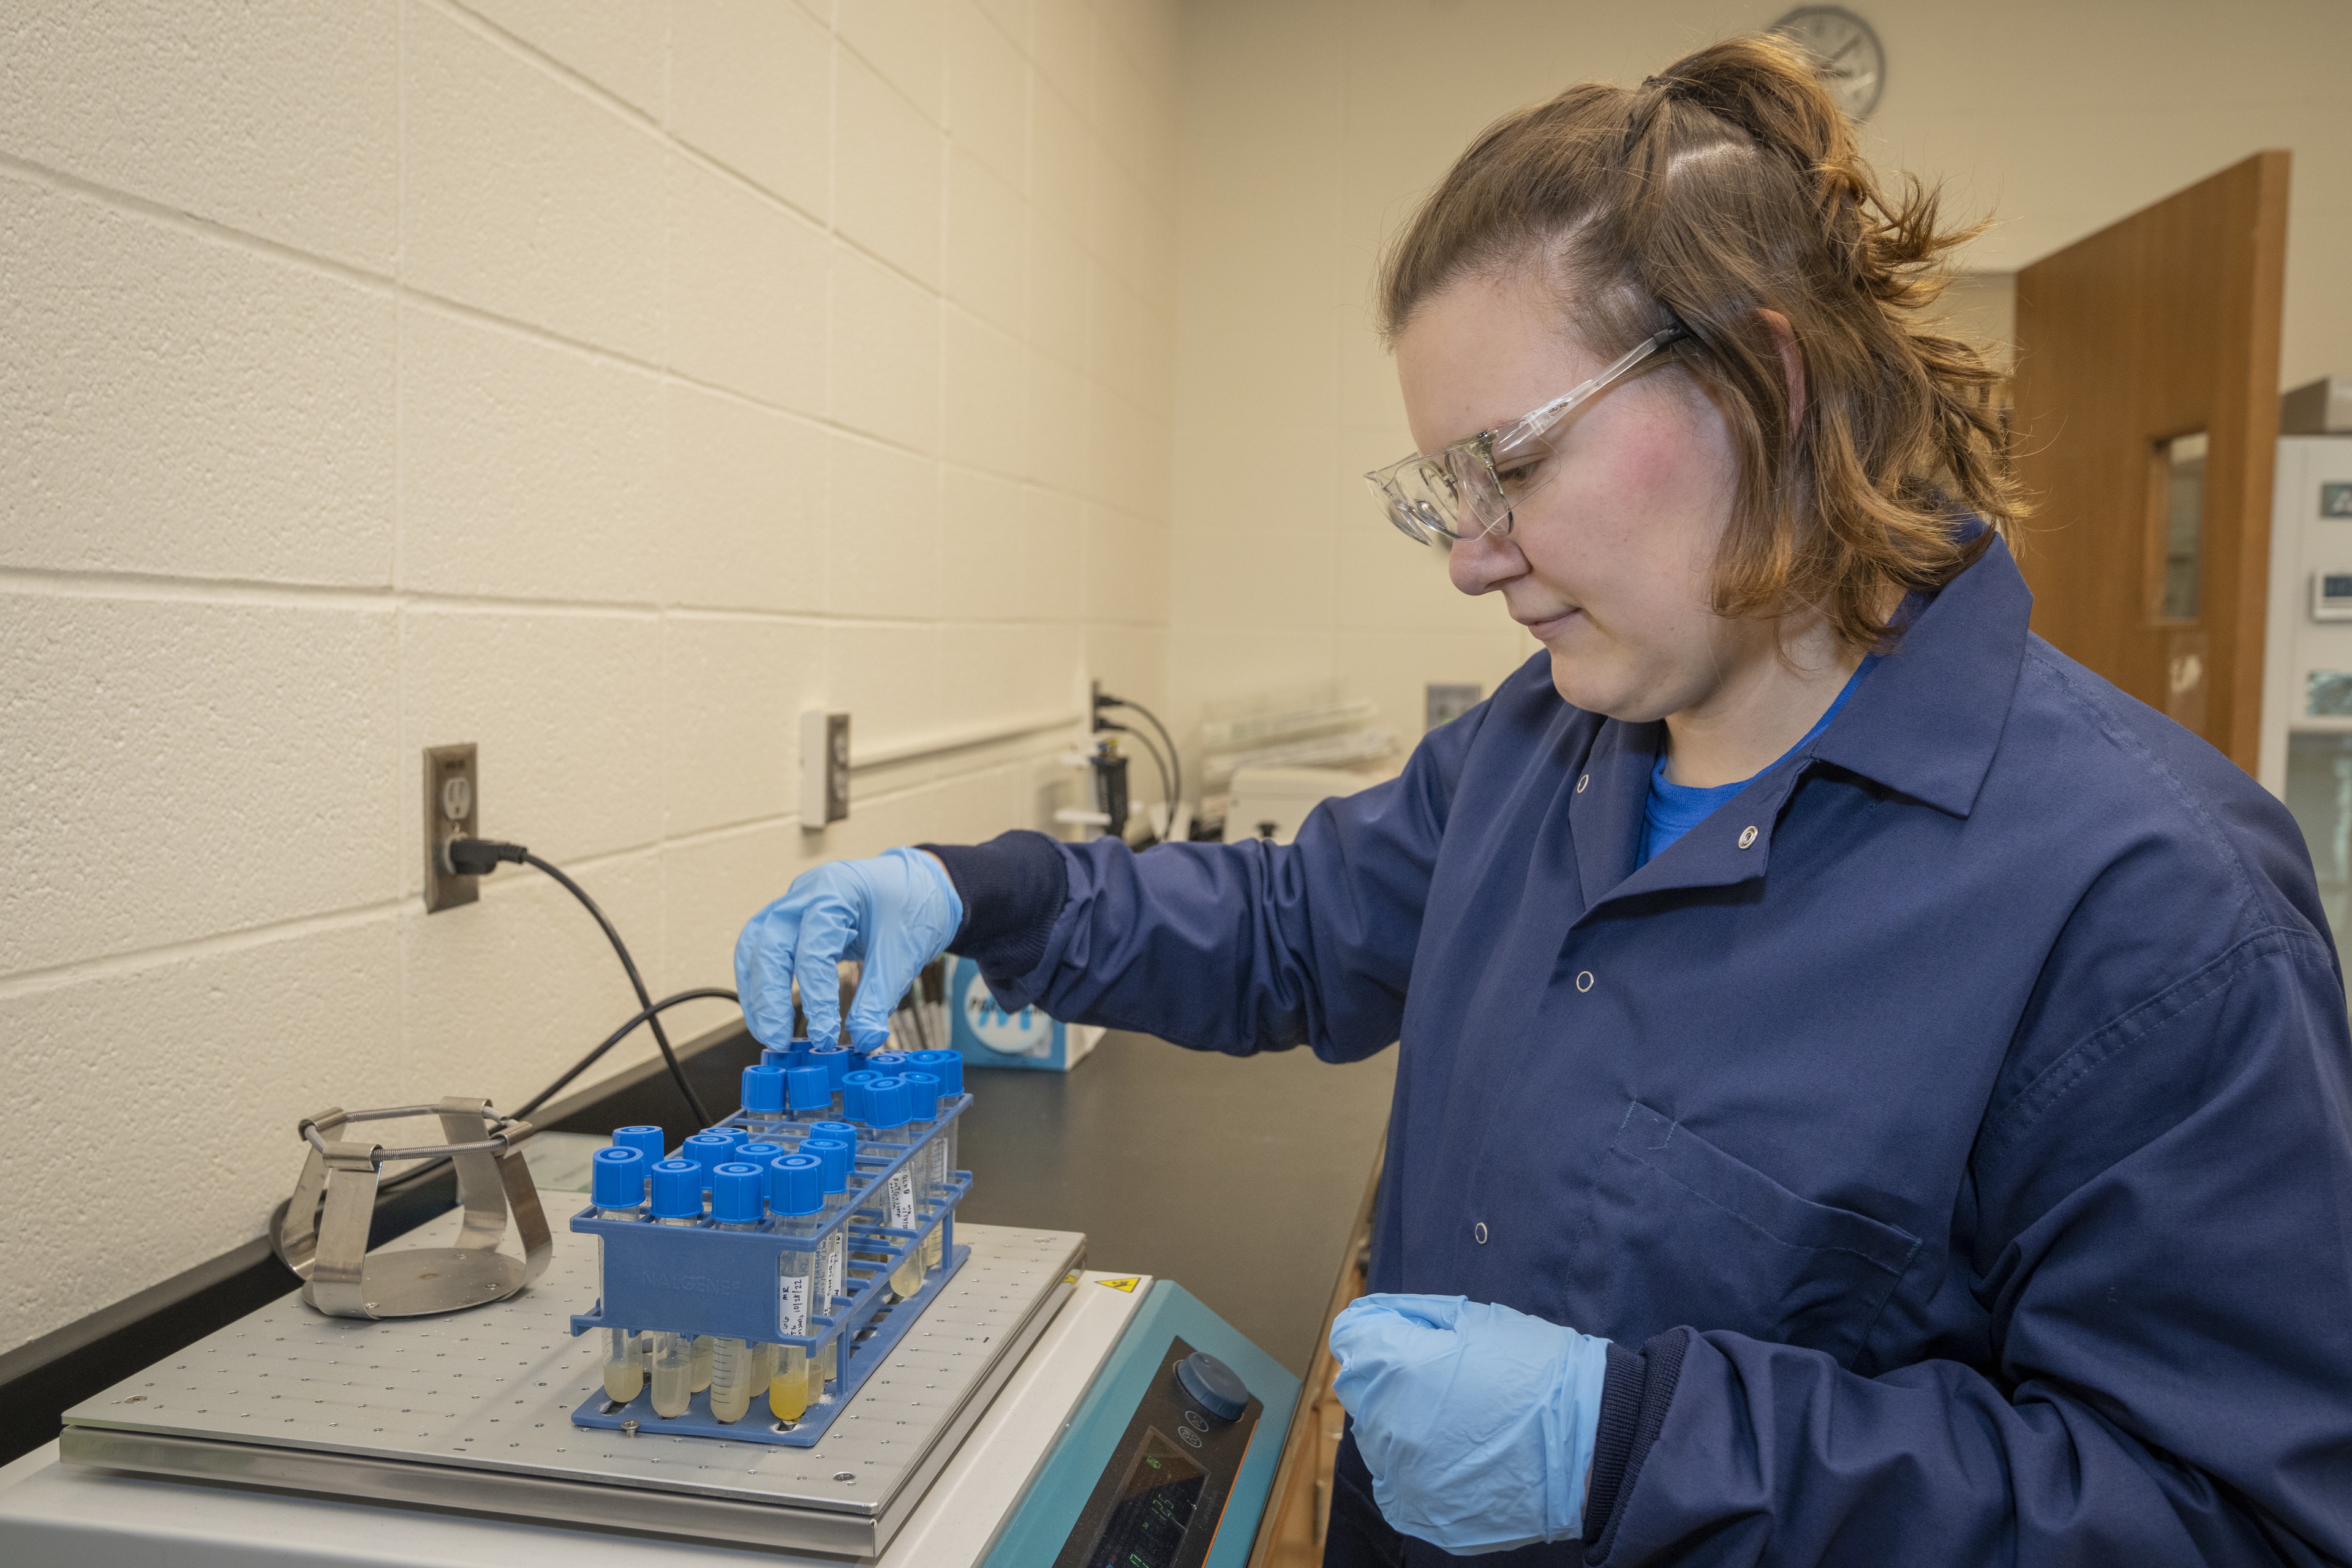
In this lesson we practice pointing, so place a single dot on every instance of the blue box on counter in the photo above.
(986, 1035)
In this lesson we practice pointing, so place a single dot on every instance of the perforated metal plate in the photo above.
(473, 1410)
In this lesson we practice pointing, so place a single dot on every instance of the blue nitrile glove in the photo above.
(1477, 1421)
(896, 912)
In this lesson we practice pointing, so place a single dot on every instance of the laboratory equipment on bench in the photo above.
(1013, 1409)
(742, 1256)
(2305, 744)
(322, 1236)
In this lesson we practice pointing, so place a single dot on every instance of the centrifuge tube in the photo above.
(617, 1186)
(788, 1388)
(677, 1200)
(796, 1200)
(764, 1096)
(673, 1372)
(738, 1194)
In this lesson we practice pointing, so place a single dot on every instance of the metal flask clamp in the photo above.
(323, 1235)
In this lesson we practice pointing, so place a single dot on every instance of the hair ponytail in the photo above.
(1727, 184)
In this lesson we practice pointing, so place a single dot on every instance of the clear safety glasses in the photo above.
(1472, 487)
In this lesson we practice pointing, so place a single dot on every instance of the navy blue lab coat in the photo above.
(1953, 1132)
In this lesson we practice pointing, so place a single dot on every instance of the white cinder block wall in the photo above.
(602, 383)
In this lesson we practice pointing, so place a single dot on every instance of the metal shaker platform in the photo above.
(473, 1410)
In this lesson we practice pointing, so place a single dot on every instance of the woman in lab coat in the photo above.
(1870, 1092)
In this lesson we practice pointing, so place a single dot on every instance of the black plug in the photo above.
(479, 857)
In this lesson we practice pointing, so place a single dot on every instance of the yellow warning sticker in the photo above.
(1128, 1284)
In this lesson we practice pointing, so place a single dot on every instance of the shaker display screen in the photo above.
(1155, 1503)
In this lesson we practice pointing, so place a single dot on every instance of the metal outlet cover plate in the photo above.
(491, 1391)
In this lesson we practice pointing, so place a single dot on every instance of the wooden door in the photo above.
(2148, 553)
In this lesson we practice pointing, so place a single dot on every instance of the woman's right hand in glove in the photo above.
(894, 913)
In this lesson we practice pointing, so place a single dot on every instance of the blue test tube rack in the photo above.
(697, 1280)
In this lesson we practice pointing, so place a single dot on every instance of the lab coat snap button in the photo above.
(1582, 782)
(1584, 981)
(1478, 1232)
(1746, 836)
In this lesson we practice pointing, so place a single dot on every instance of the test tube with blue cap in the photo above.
(708, 1150)
(796, 1199)
(922, 1093)
(835, 1061)
(853, 1094)
(764, 1096)
(810, 1091)
(677, 1200)
(948, 1068)
(843, 1132)
(738, 1196)
(647, 1141)
(834, 1158)
(617, 1189)
(763, 1353)
(885, 1110)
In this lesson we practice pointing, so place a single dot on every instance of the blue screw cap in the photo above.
(945, 1065)
(811, 1088)
(770, 1056)
(839, 1133)
(891, 1062)
(733, 1134)
(763, 1089)
(834, 1060)
(677, 1190)
(834, 1156)
(760, 1153)
(796, 1184)
(885, 1103)
(650, 1141)
(737, 1192)
(617, 1179)
(922, 1096)
(706, 1150)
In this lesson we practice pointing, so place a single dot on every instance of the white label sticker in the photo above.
(791, 1304)
(832, 1266)
(902, 1200)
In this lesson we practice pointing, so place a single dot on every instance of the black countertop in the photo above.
(1238, 1177)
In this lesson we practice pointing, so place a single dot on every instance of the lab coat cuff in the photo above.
(1013, 889)
(1638, 1388)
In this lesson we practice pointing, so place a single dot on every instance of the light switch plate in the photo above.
(824, 768)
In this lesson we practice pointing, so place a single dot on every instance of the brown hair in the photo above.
(1729, 184)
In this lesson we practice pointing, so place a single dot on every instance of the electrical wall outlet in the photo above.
(452, 799)
(824, 768)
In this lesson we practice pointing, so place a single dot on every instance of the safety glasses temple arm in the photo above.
(1541, 422)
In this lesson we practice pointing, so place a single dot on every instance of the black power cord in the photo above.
(1175, 762)
(480, 857)
(616, 1036)
(1159, 762)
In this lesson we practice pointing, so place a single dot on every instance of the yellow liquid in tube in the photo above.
(624, 1365)
(706, 1348)
(788, 1390)
(673, 1371)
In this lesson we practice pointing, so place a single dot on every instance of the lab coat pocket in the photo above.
(1687, 1235)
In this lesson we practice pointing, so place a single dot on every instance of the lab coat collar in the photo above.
(1925, 723)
